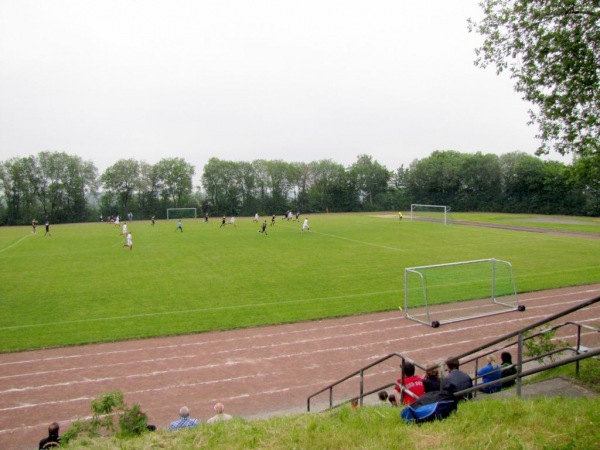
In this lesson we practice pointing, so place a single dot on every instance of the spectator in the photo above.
(220, 416)
(383, 396)
(488, 373)
(53, 439)
(412, 383)
(457, 380)
(392, 400)
(508, 369)
(431, 382)
(184, 421)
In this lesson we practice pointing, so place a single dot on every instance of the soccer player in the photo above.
(47, 233)
(206, 218)
(128, 241)
(305, 226)
(298, 216)
(153, 220)
(255, 218)
(232, 221)
(223, 221)
(124, 229)
(264, 228)
(273, 220)
(33, 225)
(400, 216)
(179, 226)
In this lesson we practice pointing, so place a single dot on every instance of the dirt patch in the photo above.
(557, 220)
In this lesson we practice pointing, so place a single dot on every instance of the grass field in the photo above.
(81, 285)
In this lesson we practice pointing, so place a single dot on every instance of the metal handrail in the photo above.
(578, 357)
(521, 338)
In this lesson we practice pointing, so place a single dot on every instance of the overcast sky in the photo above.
(250, 79)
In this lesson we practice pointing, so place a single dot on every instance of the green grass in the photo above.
(543, 222)
(551, 423)
(514, 423)
(81, 285)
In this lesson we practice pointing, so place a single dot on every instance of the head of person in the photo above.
(53, 429)
(219, 408)
(383, 395)
(432, 372)
(491, 359)
(409, 369)
(184, 411)
(506, 358)
(392, 399)
(452, 364)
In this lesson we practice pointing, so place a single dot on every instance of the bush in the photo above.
(111, 416)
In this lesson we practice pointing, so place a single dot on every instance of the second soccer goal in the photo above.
(445, 293)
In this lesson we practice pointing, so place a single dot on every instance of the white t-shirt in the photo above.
(219, 418)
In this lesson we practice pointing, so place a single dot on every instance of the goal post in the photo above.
(446, 293)
(181, 213)
(432, 213)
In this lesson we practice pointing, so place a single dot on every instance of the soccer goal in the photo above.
(445, 293)
(181, 213)
(432, 213)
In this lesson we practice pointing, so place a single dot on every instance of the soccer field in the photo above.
(81, 285)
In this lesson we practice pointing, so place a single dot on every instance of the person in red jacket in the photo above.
(412, 383)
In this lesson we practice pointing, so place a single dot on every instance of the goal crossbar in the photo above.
(180, 213)
(437, 213)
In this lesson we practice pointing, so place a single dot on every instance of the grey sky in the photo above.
(248, 79)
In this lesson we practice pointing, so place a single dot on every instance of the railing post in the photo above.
(577, 348)
(362, 385)
(331, 397)
(519, 362)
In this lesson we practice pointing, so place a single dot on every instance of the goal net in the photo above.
(432, 213)
(181, 213)
(446, 293)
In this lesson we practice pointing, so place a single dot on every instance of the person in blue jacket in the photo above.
(490, 372)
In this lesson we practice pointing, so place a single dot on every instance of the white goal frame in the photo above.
(495, 277)
(169, 210)
(442, 209)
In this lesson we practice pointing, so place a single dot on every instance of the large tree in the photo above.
(174, 176)
(552, 50)
(371, 179)
(122, 180)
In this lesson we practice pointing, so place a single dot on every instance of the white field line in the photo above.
(220, 308)
(370, 244)
(270, 390)
(14, 244)
(188, 311)
(274, 336)
(255, 348)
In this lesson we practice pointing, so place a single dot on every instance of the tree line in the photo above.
(64, 188)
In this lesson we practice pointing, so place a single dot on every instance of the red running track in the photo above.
(255, 372)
